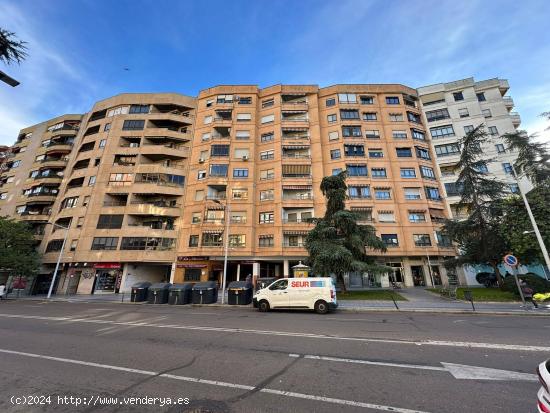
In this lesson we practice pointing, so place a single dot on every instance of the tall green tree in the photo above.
(338, 244)
(478, 236)
(18, 255)
(12, 50)
(533, 159)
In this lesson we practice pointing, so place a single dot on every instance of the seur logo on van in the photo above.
(307, 284)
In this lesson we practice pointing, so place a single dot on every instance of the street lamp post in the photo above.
(533, 221)
(227, 212)
(59, 257)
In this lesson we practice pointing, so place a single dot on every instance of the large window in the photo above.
(193, 240)
(417, 216)
(139, 109)
(354, 150)
(240, 173)
(351, 131)
(192, 274)
(212, 239)
(446, 150)
(110, 221)
(267, 137)
(218, 170)
(105, 243)
(408, 173)
(412, 193)
(390, 240)
(418, 134)
(422, 240)
(404, 152)
(382, 193)
(147, 243)
(358, 192)
(357, 170)
(396, 117)
(54, 245)
(219, 150)
(442, 131)
(422, 153)
(266, 155)
(267, 217)
(427, 172)
(369, 116)
(335, 154)
(265, 241)
(266, 174)
(69, 202)
(349, 114)
(438, 114)
(378, 172)
(131, 124)
(347, 98)
(433, 193)
(458, 96)
(120, 179)
(413, 117)
(392, 100)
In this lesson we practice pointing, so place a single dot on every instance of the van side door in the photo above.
(278, 294)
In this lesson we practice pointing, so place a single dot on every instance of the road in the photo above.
(239, 360)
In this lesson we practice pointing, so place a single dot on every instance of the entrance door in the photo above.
(418, 276)
(278, 296)
(73, 282)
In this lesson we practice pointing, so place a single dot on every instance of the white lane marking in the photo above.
(218, 383)
(458, 371)
(484, 346)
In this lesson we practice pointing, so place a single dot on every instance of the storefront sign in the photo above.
(192, 258)
(191, 265)
(107, 265)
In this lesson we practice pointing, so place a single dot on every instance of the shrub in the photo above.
(538, 284)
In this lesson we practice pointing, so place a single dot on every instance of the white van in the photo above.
(317, 294)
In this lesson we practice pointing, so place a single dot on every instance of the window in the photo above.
(247, 100)
(507, 168)
(242, 152)
(218, 170)
(147, 243)
(378, 172)
(330, 102)
(205, 136)
(413, 117)
(267, 195)
(266, 137)
(433, 193)
(390, 240)
(376, 153)
(4, 195)
(268, 103)
(74, 243)
(193, 240)
(130, 124)
(422, 240)
(86, 200)
(480, 96)
(486, 113)
(416, 217)
(266, 241)
(396, 117)
(399, 134)
(120, 179)
(199, 195)
(16, 164)
(427, 172)
(364, 214)
(500, 148)
(348, 114)
(208, 120)
(212, 240)
(71, 202)
(351, 131)
(240, 173)
(332, 136)
(219, 150)
(463, 113)
(201, 174)
(80, 222)
(458, 96)
(267, 217)
(196, 217)
(357, 170)
(268, 118)
(366, 100)
(369, 116)
(386, 216)
(54, 245)
(265, 155)
(102, 143)
(412, 193)
(336, 171)
(239, 193)
(422, 153)
(358, 192)
(392, 100)
(237, 240)
(468, 128)
(446, 150)
(404, 152)
(107, 127)
(335, 154)
(104, 243)
(267, 174)
(354, 150)
(238, 217)
(91, 180)
(110, 222)
(209, 103)
(418, 135)
(454, 188)
(242, 135)
(244, 117)
(222, 99)
(139, 109)
(372, 134)
(347, 98)
(482, 168)
(439, 114)
(408, 173)
(514, 188)
(493, 131)
(382, 194)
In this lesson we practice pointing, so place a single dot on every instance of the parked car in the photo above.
(544, 393)
(488, 279)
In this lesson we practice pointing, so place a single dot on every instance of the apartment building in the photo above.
(451, 110)
(259, 155)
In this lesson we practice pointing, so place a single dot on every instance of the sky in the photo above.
(79, 49)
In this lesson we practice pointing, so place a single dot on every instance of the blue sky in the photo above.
(78, 48)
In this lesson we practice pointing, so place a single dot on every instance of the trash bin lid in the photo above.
(240, 285)
(205, 285)
(160, 286)
(142, 284)
(181, 287)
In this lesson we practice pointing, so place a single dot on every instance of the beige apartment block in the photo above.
(454, 108)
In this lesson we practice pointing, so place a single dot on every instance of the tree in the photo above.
(478, 236)
(515, 222)
(547, 116)
(17, 253)
(338, 244)
(533, 159)
(11, 49)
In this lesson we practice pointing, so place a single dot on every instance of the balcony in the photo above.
(296, 245)
(52, 163)
(516, 119)
(508, 102)
(157, 132)
(47, 179)
(294, 117)
(35, 216)
(159, 208)
(175, 115)
(298, 221)
(167, 150)
(295, 134)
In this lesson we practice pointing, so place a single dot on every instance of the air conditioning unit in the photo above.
(134, 145)
(245, 158)
(201, 160)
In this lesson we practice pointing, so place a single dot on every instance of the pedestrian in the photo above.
(2, 290)
(527, 293)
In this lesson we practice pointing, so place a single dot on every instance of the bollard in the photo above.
(394, 302)
(469, 296)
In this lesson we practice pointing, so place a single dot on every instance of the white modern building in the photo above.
(452, 109)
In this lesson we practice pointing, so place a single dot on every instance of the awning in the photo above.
(417, 211)
(361, 209)
(215, 208)
(212, 231)
(385, 212)
(299, 187)
(296, 146)
(295, 232)
(437, 213)
(265, 236)
(287, 129)
(297, 169)
(359, 185)
(294, 111)
(382, 187)
(293, 93)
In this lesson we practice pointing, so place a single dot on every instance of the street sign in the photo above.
(511, 260)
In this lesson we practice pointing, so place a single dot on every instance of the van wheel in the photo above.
(263, 306)
(321, 307)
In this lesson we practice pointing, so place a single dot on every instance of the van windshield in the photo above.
(279, 285)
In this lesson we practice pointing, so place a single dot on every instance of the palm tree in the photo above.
(11, 49)
(533, 159)
(338, 244)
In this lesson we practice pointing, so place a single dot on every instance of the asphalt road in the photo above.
(239, 360)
